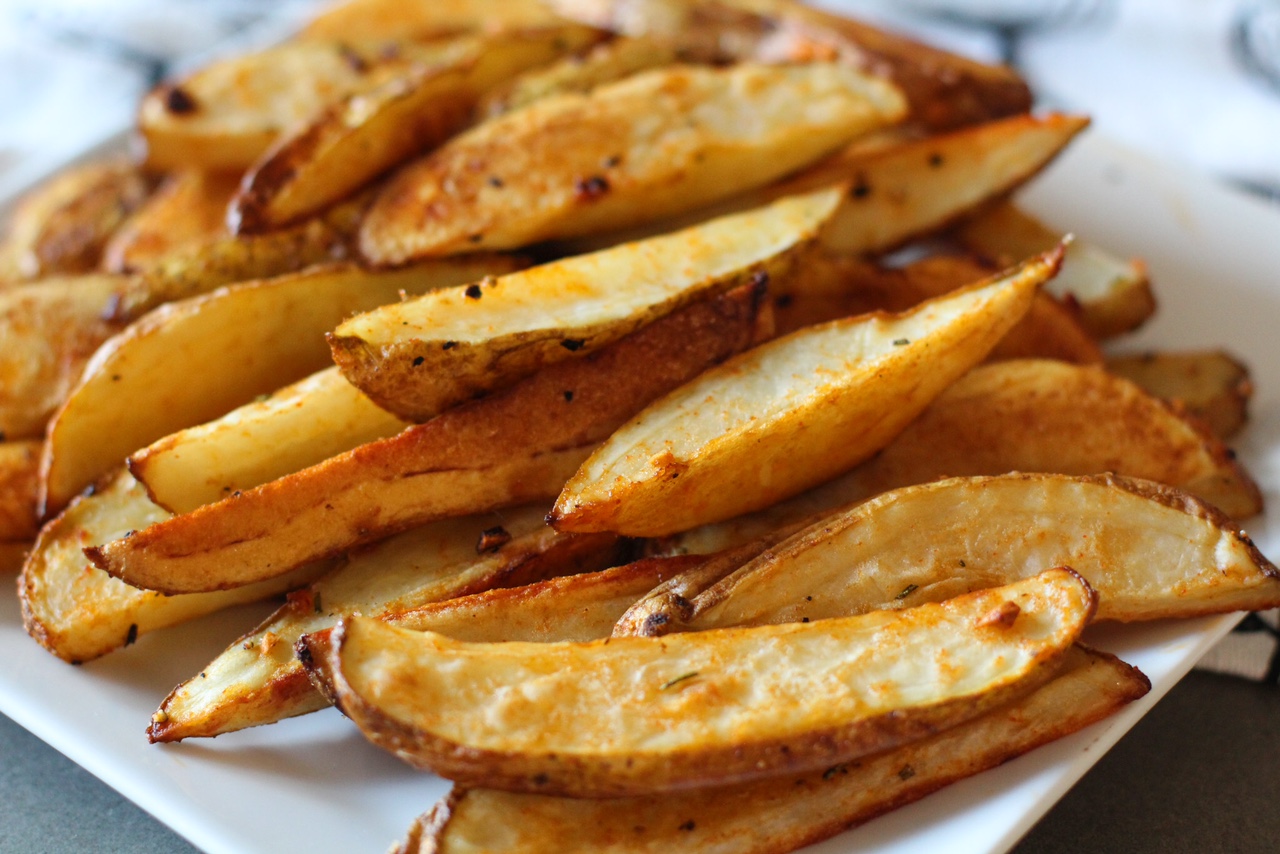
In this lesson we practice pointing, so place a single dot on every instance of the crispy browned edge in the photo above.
(576, 776)
(429, 829)
(573, 404)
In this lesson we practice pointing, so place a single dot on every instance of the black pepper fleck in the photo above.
(418, 360)
(492, 539)
(473, 292)
(179, 101)
(573, 344)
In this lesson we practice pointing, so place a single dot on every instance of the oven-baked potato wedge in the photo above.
(78, 612)
(363, 135)
(417, 357)
(49, 329)
(277, 434)
(1149, 550)
(788, 812)
(19, 483)
(790, 414)
(257, 680)
(1112, 296)
(645, 148)
(630, 716)
(423, 20)
(1209, 384)
(513, 447)
(188, 362)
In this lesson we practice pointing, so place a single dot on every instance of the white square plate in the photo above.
(313, 783)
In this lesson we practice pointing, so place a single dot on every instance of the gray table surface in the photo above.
(1201, 773)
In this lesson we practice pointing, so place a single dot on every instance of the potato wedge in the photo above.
(642, 715)
(80, 613)
(789, 414)
(1113, 296)
(1034, 416)
(421, 20)
(298, 426)
(651, 146)
(50, 329)
(358, 138)
(418, 357)
(510, 448)
(257, 680)
(1150, 551)
(13, 554)
(789, 812)
(1209, 385)
(156, 377)
(19, 479)
(188, 208)
(61, 227)
(224, 116)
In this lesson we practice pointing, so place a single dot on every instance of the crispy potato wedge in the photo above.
(788, 812)
(605, 63)
(61, 227)
(156, 376)
(1209, 385)
(257, 680)
(418, 357)
(513, 447)
(50, 329)
(787, 415)
(19, 480)
(78, 612)
(943, 90)
(224, 116)
(358, 138)
(1112, 296)
(13, 554)
(188, 208)
(421, 20)
(654, 145)
(1149, 550)
(298, 426)
(642, 715)
(1036, 416)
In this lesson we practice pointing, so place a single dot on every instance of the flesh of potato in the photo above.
(1031, 415)
(189, 362)
(258, 680)
(417, 357)
(1150, 551)
(78, 612)
(648, 147)
(789, 414)
(515, 446)
(629, 716)
(788, 812)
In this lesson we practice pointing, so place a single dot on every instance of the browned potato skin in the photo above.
(376, 20)
(189, 207)
(1210, 386)
(13, 554)
(19, 483)
(61, 227)
(516, 446)
(786, 813)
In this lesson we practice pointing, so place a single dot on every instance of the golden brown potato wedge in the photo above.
(224, 116)
(788, 812)
(605, 63)
(1034, 415)
(49, 329)
(276, 435)
(787, 415)
(629, 716)
(188, 208)
(1209, 385)
(186, 363)
(421, 20)
(358, 138)
(1149, 550)
(257, 680)
(652, 146)
(1112, 296)
(513, 447)
(13, 554)
(78, 612)
(19, 481)
(61, 226)
(418, 357)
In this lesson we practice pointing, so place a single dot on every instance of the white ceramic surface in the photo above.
(313, 784)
